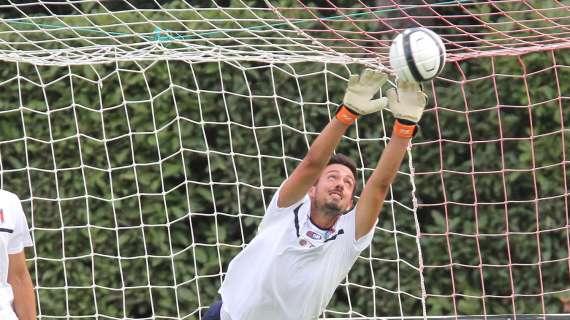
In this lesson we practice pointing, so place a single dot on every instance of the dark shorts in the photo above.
(214, 311)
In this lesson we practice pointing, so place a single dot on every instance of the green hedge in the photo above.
(141, 180)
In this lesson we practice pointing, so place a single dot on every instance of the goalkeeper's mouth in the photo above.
(338, 194)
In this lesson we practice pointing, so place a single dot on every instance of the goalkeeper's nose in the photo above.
(339, 187)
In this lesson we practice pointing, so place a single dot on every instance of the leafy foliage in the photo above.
(142, 180)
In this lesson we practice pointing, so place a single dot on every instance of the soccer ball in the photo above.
(417, 55)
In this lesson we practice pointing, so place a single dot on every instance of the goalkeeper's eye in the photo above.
(349, 182)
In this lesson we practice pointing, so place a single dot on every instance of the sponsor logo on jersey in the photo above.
(1, 216)
(313, 235)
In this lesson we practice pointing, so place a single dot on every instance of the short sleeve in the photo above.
(356, 245)
(364, 241)
(21, 237)
(273, 212)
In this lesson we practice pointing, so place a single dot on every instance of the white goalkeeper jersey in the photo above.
(14, 236)
(291, 269)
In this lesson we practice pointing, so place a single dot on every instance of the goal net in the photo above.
(145, 140)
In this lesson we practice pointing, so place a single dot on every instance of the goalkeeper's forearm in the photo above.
(389, 163)
(323, 147)
(374, 192)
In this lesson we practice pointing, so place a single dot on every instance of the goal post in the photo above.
(146, 140)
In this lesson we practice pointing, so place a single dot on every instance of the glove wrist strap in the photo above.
(405, 129)
(345, 115)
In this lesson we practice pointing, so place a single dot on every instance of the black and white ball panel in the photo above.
(417, 55)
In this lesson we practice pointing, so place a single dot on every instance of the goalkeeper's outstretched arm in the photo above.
(357, 101)
(407, 105)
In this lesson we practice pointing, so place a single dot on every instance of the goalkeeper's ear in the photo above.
(311, 191)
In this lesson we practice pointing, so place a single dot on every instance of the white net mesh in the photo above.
(146, 140)
(84, 31)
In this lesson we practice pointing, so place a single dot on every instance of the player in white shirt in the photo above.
(312, 233)
(17, 298)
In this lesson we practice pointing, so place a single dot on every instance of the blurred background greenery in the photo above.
(142, 179)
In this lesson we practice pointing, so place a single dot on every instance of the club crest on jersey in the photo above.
(305, 243)
(313, 235)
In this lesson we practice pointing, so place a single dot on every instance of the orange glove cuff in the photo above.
(346, 116)
(405, 131)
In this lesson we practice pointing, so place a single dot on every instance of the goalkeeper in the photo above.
(312, 233)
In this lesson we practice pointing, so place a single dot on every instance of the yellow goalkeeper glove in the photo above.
(407, 104)
(359, 93)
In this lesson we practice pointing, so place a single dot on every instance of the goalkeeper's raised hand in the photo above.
(407, 103)
(359, 93)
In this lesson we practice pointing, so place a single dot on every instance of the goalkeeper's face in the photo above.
(332, 193)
